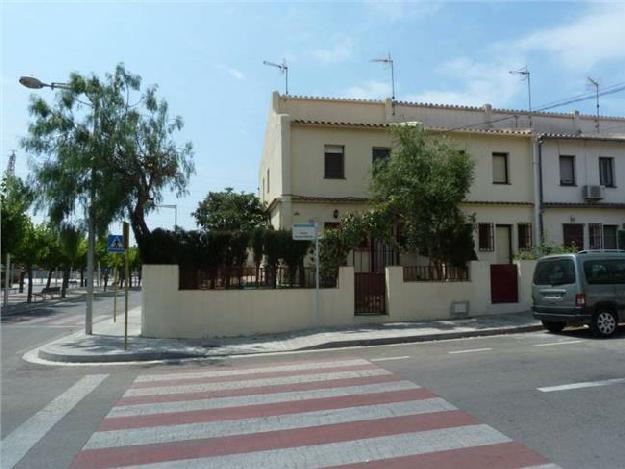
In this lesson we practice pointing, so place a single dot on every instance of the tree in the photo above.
(421, 187)
(15, 198)
(229, 211)
(32, 250)
(109, 137)
(70, 240)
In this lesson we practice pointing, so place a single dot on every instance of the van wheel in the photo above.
(604, 323)
(554, 326)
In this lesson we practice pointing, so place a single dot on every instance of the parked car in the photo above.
(587, 287)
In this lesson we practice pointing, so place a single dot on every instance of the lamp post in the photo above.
(174, 206)
(35, 83)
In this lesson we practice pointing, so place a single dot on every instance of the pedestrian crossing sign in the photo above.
(115, 243)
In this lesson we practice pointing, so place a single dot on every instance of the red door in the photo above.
(503, 283)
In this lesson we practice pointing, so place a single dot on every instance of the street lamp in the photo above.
(174, 206)
(35, 84)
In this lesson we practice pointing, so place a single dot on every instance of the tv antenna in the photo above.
(595, 83)
(525, 75)
(388, 61)
(284, 68)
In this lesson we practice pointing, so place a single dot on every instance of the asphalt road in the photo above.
(511, 383)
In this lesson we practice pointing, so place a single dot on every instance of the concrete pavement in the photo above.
(107, 342)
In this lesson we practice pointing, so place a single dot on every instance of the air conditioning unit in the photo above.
(593, 192)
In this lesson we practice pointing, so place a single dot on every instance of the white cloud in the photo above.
(598, 36)
(341, 51)
(482, 82)
(233, 72)
(370, 89)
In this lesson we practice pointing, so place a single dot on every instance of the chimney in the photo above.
(488, 114)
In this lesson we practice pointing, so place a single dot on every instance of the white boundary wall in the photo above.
(193, 314)
(416, 301)
(168, 312)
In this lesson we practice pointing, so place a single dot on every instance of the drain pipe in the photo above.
(541, 226)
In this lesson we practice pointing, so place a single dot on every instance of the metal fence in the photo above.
(433, 274)
(252, 278)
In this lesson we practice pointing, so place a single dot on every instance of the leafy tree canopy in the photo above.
(230, 211)
(15, 198)
(421, 186)
(109, 136)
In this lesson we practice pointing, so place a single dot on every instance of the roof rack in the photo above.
(586, 251)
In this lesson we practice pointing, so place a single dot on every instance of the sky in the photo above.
(206, 59)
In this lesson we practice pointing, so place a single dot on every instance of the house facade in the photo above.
(552, 176)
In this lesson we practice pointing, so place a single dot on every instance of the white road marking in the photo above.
(150, 408)
(551, 344)
(251, 383)
(351, 452)
(386, 359)
(485, 349)
(15, 446)
(586, 384)
(245, 371)
(223, 428)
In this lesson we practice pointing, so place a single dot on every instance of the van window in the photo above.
(555, 272)
(605, 271)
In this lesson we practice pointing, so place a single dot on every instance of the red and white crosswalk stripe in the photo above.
(345, 413)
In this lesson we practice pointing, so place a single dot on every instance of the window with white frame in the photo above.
(595, 236)
(500, 168)
(606, 171)
(567, 170)
(334, 162)
(486, 236)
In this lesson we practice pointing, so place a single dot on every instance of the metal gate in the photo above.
(370, 278)
(504, 283)
(369, 293)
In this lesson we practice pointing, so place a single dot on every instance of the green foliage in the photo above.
(421, 187)
(229, 211)
(109, 136)
(544, 249)
(15, 199)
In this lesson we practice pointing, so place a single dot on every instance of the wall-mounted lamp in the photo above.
(572, 219)
(335, 214)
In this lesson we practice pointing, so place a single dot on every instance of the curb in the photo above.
(424, 338)
(166, 355)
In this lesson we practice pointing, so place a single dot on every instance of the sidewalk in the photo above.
(17, 301)
(107, 342)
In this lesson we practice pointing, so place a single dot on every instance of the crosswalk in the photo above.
(340, 413)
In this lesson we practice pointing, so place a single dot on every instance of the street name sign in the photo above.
(304, 231)
(115, 243)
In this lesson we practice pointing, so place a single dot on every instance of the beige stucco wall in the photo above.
(553, 219)
(193, 314)
(417, 301)
(587, 155)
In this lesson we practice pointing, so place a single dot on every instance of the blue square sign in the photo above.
(115, 243)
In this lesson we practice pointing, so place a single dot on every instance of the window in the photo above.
(606, 172)
(267, 181)
(609, 236)
(567, 170)
(573, 235)
(379, 156)
(486, 236)
(555, 272)
(331, 225)
(595, 236)
(605, 271)
(500, 168)
(334, 164)
(525, 235)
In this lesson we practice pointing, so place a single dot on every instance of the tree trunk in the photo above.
(138, 224)
(65, 282)
(140, 273)
(106, 278)
(82, 276)
(49, 278)
(22, 275)
(29, 297)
